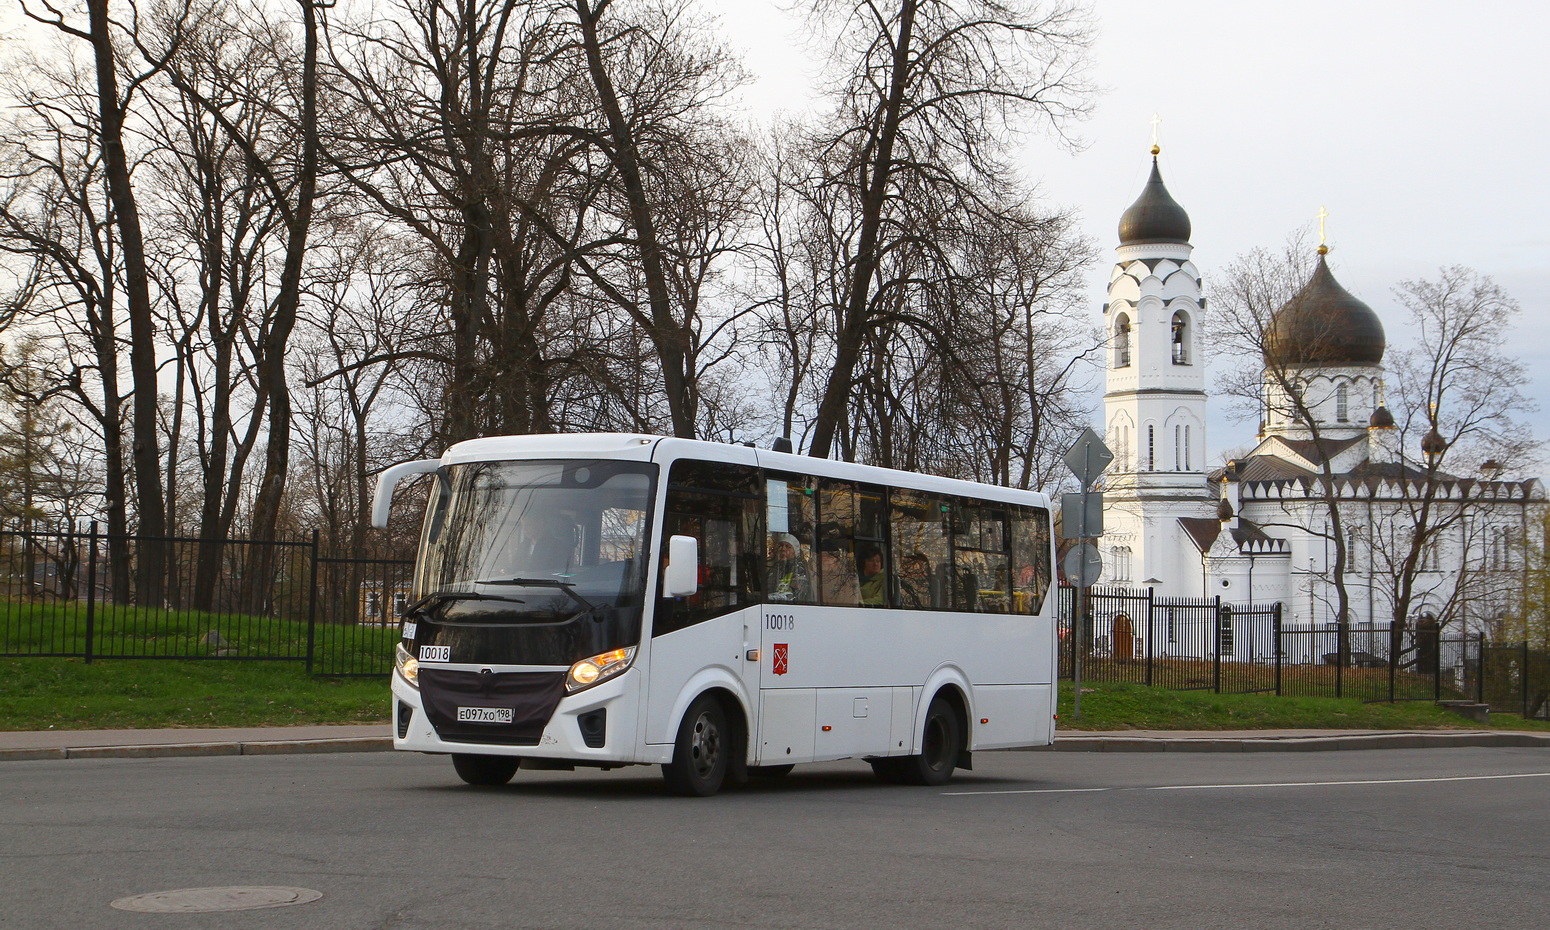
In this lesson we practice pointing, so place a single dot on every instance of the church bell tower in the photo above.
(1154, 398)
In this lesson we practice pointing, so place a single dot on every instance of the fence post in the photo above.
(1523, 676)
(312, 603)
(1480, 670)
(1216, 649)
(1151, 631)
(1437, 667)
(1275, 625)
(1394, 643)
(91, 592)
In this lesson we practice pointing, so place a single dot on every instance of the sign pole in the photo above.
(1087, 459)
(1079, 634)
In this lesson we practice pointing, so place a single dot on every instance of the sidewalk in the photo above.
(254, 741)
(234, 741)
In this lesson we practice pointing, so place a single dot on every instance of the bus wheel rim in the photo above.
(705, 747)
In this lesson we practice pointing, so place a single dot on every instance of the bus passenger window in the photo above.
(1031, 554)
(838, 584)
(982, 562)
(791, 575)
(917, 524)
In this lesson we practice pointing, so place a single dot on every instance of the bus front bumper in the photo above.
(571, 727)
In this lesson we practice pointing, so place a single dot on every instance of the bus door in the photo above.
(787, 698)
(716, 629)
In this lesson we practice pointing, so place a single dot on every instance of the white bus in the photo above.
(606, 600)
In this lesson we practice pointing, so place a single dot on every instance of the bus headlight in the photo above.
(588, 672)
(408, 666)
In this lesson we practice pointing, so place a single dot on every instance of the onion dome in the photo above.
(1433, 443)
(1155, 216)
(1381, 419)
(1223, 512)
(1324, 325)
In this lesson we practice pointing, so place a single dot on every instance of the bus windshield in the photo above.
(535, 541)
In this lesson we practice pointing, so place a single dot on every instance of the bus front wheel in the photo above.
(486, 771)
(702, 751)
(939, 747)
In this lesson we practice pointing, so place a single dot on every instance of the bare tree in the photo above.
(1460, 395)
(112, 109)
(921, 120)
(55, 217)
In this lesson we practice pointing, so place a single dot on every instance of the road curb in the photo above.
(1292, 743)
(174, 750)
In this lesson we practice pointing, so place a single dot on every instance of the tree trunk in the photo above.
(272, 367)
(149, 498)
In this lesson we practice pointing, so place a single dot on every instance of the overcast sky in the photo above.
(1421, 126)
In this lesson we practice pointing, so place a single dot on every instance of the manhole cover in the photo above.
(205, 900)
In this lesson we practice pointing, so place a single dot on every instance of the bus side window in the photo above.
(981, 560)
(721, 506)
(1031, 556)
(838, 583)
(790, 572)
(919, 534)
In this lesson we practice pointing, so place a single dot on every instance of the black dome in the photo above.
(1325, 325)
(1155, 216)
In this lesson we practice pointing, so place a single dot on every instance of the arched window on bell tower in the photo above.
(1122, 341)
(1180, 337)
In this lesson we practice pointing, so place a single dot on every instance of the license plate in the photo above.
(435, 653)
(484, 715)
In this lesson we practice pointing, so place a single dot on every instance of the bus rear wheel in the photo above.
(485, 771)
(939, 747)
(702, 752)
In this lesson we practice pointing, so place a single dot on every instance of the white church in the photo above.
(1254, 530)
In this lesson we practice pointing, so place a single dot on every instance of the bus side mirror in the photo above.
(382, 502)
(682, 576)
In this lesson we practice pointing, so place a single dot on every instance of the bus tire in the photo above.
(485, 771)
(702, 751)
(770, 771)
(940, 743)
(887, 770)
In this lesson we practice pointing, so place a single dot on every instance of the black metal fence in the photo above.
(74, 592)
(1208, 644)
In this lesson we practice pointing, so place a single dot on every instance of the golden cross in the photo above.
(1156, 122)
(1323, 213)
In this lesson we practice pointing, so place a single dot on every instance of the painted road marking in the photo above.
(1273, 784)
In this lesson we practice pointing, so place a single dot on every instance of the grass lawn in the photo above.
(68, 694)
(1126, 706)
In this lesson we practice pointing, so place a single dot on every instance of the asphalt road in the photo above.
(1386, 838)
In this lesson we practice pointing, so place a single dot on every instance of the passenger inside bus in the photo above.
(837, 574)
(873, 579)
(788, 576)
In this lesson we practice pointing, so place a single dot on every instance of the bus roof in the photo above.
(644, 447)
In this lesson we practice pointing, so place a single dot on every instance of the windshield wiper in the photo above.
(439, 597)
(566, 586)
